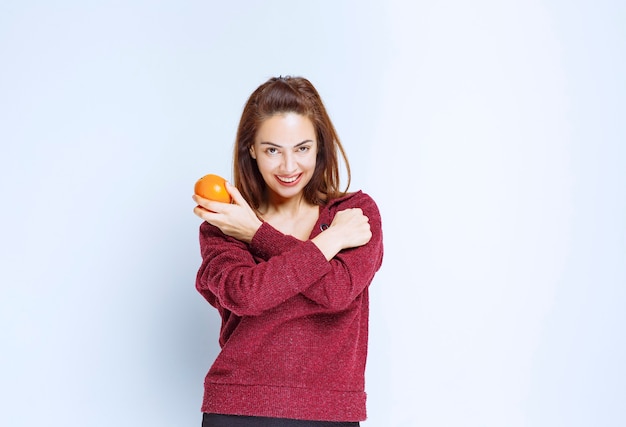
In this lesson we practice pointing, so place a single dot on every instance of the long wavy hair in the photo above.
(280, 95)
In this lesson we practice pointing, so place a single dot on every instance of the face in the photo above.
(285, 149)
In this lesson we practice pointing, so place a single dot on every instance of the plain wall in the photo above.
(490, 133)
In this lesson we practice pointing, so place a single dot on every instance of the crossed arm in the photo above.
(331, 269)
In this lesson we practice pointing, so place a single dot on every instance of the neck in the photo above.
(291, 207)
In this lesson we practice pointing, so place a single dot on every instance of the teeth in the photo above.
(288, 180)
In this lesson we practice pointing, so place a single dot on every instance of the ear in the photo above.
(252, 152)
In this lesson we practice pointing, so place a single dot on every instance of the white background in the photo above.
(491, 133)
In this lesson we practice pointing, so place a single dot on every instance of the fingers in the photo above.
(233, 219)
(202, 213)
(351, 227)
(220, 207)
(210, 205)
(353, 211)
(235, 194)
(350, 215)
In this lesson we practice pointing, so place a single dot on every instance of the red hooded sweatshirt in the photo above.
(294, 325)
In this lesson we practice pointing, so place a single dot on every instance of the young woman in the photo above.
(288, 265)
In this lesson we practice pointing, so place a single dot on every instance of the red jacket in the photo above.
(294, 325)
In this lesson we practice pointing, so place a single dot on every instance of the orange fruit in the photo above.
(212, 187)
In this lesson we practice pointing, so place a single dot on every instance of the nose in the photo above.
(289, 162)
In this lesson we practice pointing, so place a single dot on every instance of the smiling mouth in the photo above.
(288, 179)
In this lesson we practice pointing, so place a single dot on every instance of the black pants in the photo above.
(217, 420)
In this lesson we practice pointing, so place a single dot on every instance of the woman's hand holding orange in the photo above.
(236, 219)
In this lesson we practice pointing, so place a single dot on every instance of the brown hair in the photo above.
(281, 95)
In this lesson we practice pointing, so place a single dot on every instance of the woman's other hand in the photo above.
(349, 229)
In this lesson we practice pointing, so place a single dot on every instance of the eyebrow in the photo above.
(280, 146)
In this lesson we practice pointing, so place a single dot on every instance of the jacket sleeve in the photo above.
(231, 277)
(351, 270)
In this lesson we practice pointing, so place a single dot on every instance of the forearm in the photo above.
(327, 243)
(231, 276)
(352, 270)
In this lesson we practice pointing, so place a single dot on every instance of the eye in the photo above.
(303, 149)
(271, 151)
